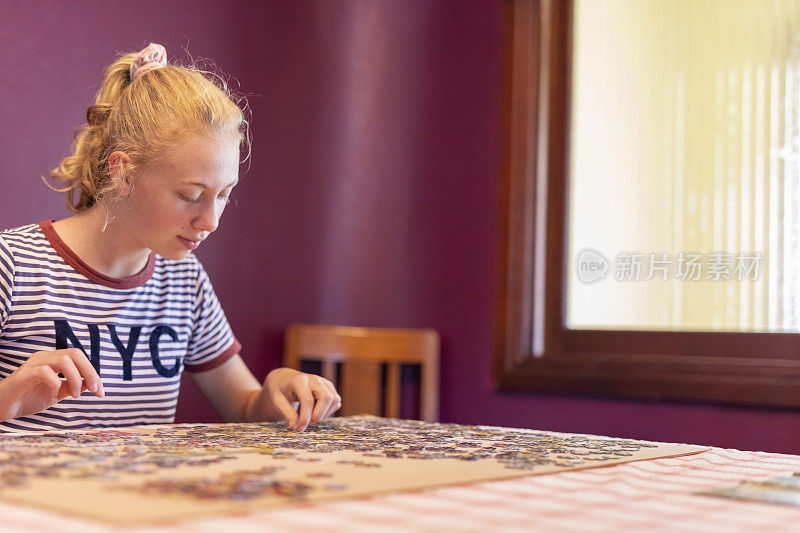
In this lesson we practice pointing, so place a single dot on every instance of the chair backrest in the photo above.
(362, 352)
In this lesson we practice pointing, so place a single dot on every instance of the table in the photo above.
(653, 496)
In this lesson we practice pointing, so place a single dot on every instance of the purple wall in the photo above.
(371, 195)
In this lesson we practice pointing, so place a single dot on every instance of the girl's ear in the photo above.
(118, 171)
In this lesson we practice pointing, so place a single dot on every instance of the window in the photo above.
(691, 353)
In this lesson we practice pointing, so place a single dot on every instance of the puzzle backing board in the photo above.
(151, 474)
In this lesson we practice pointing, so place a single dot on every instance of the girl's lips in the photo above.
(191, 245)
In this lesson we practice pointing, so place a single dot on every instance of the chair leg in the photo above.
(361, 388)
(392, 398)
(329, 371)
(429, 404)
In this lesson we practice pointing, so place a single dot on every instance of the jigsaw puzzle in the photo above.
(147, 474)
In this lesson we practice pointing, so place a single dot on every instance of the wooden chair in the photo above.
(362, 352)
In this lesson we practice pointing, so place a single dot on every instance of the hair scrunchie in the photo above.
(152, 57)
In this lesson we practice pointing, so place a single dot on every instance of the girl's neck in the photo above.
(104, 245)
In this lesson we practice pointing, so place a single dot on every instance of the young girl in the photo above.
(112, 298)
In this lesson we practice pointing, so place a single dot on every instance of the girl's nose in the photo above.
(207, 219)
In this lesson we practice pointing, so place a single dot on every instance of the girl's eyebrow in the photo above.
(204, 186)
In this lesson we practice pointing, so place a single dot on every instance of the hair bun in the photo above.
(97, 114)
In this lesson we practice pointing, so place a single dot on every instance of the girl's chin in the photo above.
(174, 254)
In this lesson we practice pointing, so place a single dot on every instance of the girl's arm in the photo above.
(237, 395)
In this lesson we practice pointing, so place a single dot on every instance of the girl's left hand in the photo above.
(317, 396)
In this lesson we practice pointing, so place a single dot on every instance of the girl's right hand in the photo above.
(35, 385)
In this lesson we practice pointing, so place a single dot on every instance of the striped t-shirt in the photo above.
(138, 332)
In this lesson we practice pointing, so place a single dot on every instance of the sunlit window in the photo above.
(684, 192)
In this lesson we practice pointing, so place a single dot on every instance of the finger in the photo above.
(87, 371)
(65, 389)
(335, 398)
(286, 409)
(336, 404)
(328, 385)
(303, 394)
(323, 404)
(63, 363)
(48, 377)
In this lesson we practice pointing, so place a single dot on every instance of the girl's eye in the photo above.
(187, 199)
(226, 199)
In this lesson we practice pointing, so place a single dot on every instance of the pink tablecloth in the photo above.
(649, 496)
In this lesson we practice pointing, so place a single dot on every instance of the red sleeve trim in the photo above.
(222, 358)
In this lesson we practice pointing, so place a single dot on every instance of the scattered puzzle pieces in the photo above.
(148, 474)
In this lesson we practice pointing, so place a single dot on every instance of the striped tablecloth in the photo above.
(651, 496)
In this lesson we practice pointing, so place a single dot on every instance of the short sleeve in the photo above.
(6, 281)
(212, 342)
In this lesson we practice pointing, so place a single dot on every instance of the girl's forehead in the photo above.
(209, 146)
(200, 159)
(207, 154)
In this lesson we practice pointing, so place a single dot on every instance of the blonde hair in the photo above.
(144, 119)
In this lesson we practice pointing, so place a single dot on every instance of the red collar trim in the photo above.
(72, 259)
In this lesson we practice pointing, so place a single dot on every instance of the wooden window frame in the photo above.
(534, 351)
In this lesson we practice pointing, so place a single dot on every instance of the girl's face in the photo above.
(176, 203)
